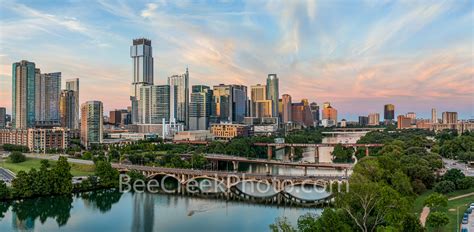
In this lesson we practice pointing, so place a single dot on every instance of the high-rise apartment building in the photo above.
(141, 53)
(434, 116)
(411, 116)
(91, 123)
(3, 117)
(154, 104)
(286, 108)
(315, 112)
(374, 119)
(389, 112)
(73, 85)
(23, 94)
(272, 92)
(200, 107)
(48, 91)
(450, 117)
(329, 112)
(182, 102)
(67, 109)
(301, 113)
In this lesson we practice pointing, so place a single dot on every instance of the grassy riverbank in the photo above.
(455, 208)
(76, 169)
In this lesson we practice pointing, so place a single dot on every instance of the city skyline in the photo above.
(358, 77)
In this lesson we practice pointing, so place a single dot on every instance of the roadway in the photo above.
(455, 164)
(198, 172)
(56, 157)
(6, 175)
(220, 157)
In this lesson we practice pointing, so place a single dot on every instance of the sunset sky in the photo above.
(358, 55)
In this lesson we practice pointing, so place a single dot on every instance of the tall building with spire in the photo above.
(272, 93)
(181, 82)
(23, 94)
(141, 53)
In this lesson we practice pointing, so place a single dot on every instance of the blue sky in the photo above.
(358, 55)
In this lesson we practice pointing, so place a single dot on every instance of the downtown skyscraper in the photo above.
(73, 119)
(47, 95)
(155, 103)
(181, 82)
(141, 53)
(389, 112)
(200, 108)
(92, 123)
(67, 109)
(272, 93)
(23, 94)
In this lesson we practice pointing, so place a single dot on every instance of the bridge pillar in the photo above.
(316, 154)
(269, 152)
(345, 173)
(305, 171)
(292, 153)
(235, 165)
(366, 151)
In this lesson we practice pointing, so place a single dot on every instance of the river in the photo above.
(112, 211)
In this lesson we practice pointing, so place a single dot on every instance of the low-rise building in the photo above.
(132, 136)
(197, 135)
(228, 131)
(36, 139)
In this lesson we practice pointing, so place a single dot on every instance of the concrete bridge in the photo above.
(230, 179)
(235, 160)
(292, 146)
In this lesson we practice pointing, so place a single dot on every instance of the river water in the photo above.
(111, 211)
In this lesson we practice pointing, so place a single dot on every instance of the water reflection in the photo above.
(101, 200)
(143, 213)
(25, 212)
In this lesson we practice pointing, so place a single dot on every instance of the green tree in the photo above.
(61, 176)
(437, 220)
(330, 220)
(17, 157)
(4, 191)
(436, 201)
(341, 154)
(370, 205)
(454, 175)
(282, 224)
(108, 176)
(444, 187)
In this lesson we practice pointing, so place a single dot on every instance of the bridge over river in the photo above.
(232, 185)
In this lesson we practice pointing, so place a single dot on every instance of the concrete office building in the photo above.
(200, 107)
